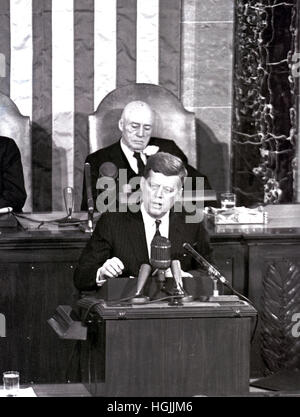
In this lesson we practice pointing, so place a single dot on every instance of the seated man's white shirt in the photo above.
(131, 159)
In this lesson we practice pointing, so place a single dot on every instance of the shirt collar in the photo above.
(150, 219)
(125, 149)
(129, 153)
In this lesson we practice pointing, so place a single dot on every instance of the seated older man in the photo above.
(132, 150)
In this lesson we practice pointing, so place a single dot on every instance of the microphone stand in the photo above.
(90, 202)
(90, 224)
(214, 274)
(68, 193)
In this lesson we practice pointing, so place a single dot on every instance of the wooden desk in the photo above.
(157, 350)
(36, 275)
(61, 390)
(263, 263)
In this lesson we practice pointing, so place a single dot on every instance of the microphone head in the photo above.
(160, 257)
(144, 273)
(69, 199)
(108, 169)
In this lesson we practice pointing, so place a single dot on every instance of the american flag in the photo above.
(61, 57)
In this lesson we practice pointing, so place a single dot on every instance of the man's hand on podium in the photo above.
(111, 268)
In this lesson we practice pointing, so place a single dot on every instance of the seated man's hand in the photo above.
(110, 269)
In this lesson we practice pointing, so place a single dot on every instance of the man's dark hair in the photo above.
(166, 164)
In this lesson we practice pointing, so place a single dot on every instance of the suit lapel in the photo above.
(118, 157)
(137, 234)
(176, 231)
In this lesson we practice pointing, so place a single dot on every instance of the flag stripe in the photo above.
(84, 86)
(4, 46)
(105, 51)
(147, 49)
(63, 99)
(21, 55)
(63, 57)
(42, 105)
(21, 52)
(126, 42)
(169, 44)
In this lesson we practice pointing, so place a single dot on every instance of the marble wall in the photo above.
(206, 85)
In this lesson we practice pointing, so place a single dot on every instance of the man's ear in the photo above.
(179, 194)
(121, 125)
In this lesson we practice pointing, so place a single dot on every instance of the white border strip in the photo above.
(62, 99)
(147, 42)
(105, 49)
(21, 55)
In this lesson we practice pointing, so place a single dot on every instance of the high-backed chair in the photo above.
(172, 121)
(16, 126)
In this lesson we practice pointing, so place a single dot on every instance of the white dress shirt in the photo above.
(150, 226)
(131, 159)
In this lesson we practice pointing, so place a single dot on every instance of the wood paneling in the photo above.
(204, 353)
(36, 275)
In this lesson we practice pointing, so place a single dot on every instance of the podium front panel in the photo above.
(169, 352)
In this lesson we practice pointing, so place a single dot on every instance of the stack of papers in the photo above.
(236, 215)
(23, 392)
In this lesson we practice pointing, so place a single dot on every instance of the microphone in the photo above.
(90, 201)
(88, 183)
(160, 258)
(216, 276)
(176, 272)
(68, 194)
(182, 295)
(144, 273)
(203, 262)
(107, 169)
(69, 201)
(108, 173)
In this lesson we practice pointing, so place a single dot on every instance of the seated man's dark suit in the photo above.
(114, 154)
(12, 190)
(122, 235)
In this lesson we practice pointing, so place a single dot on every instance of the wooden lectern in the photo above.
(159, 350)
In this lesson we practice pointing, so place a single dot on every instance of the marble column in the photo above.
(207, 32)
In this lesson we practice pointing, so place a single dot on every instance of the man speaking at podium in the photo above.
(121, 241)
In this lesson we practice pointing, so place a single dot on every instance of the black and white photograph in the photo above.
(149, 201)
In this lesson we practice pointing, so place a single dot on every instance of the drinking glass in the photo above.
(11, 383)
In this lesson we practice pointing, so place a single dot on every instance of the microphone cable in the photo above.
(41, 222)
(212, 271)
(249, 302)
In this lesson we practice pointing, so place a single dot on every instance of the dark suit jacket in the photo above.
(12, 189)
(123, 235)
(114, 154)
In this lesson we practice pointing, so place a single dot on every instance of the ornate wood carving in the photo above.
(280, 301)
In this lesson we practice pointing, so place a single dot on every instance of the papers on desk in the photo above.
(23, 392)
(236, 215)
